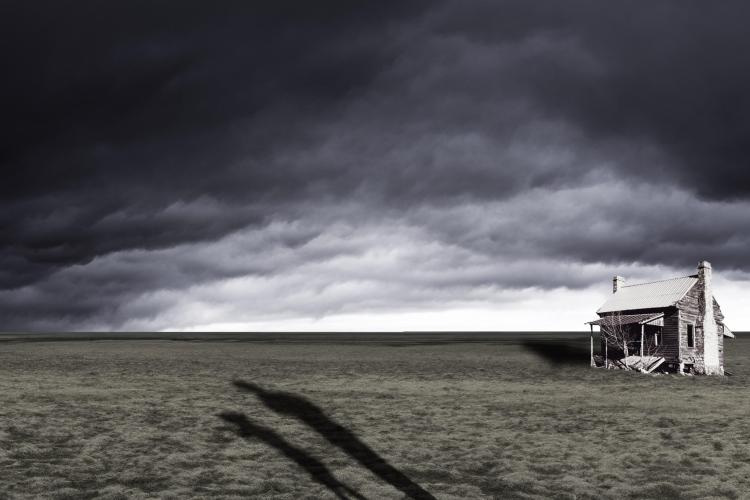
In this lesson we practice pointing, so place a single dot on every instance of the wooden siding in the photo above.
(690, 313)
(690, 310)
(671, 335)
(718, 316)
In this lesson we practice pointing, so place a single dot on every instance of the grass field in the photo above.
(473, 416)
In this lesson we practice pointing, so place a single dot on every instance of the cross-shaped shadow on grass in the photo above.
(314, 417)
(317, 470)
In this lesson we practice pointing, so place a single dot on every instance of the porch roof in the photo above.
(627, 319)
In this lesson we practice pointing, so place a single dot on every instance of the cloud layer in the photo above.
(172, 166)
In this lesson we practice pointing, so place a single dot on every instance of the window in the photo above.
(691, 335)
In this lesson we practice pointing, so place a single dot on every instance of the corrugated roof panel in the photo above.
(626, 319)
(663, 293)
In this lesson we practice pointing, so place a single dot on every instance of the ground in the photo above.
(474, 416)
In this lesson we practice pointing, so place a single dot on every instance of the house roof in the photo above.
(727, 332)
(656, 294)
(628, 319)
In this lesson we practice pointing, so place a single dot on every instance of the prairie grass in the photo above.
(488, 418)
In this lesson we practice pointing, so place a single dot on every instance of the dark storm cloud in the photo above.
(671, 73)
(114, 113)
(566, 132)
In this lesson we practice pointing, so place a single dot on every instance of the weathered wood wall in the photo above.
(671, 335)
(691, 311)
(720, 330)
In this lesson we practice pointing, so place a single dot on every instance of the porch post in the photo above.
(606, 354)
(591, 340)
(642, 328)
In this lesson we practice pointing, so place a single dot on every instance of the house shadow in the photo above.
(558, 353)
(298, 407)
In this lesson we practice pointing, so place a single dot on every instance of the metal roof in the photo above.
(627, 319)
(662, 293)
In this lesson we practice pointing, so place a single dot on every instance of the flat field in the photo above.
(361, 416)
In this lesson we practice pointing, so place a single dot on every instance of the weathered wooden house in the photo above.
(662, 325)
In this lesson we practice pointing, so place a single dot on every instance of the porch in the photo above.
(629, 341)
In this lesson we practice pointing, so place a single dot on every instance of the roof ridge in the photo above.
(659, 281)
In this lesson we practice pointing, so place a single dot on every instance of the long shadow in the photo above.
(558, 353)
(317, 470)
(300, 408)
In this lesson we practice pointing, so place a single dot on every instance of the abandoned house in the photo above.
(662, 325)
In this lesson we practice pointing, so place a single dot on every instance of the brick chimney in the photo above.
(710, 332)
(617, 283)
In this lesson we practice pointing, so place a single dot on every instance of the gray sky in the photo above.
(335, 165)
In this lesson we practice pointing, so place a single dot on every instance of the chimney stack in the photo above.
(710, 332)
(617, 283)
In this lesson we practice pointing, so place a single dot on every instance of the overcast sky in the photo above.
(367, 166)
